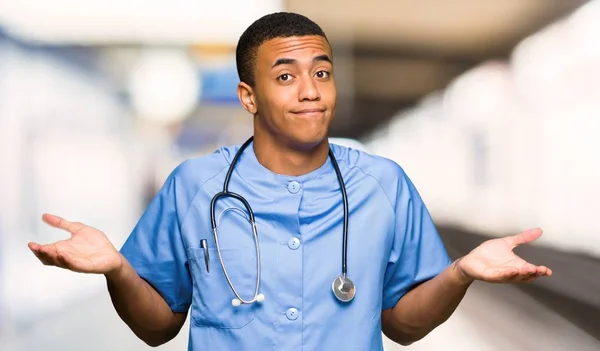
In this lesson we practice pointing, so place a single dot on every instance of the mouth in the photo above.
(309, 112)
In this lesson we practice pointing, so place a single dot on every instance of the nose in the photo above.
(309, 90)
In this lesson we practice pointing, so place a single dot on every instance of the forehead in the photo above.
(293, 47)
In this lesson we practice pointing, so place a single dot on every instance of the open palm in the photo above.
(88, 250)
(495, 262)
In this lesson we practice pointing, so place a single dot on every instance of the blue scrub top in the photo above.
(392, 246)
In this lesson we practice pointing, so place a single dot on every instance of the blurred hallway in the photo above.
(501, 317)
(491, 107)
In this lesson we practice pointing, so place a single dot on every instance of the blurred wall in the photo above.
(513, 144)
(65, 139)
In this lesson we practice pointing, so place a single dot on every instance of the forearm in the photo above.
(141, 307)
(425, 307)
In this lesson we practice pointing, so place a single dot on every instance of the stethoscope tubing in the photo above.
(251, 219)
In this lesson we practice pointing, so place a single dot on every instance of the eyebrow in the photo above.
(289, 61)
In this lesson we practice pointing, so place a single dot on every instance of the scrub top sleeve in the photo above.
(418, 253)
(156, 251)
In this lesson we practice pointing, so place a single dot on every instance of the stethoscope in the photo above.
(343, 288)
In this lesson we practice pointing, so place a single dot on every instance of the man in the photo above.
(171, 263)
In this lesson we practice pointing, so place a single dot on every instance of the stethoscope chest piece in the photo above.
(343, 288)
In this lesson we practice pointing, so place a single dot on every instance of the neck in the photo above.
(288, 160)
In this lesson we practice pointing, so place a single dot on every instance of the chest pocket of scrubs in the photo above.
(212, 296)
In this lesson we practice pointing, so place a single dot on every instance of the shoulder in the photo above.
(388, 176)
(387, 172)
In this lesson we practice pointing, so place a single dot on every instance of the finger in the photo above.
(45, 253)
(524, 237)
(543, 271)
(504, 274)
(528, 269)
(530, 273)
(50, 256)
(67, 262)
(34, 246)
(48, 252)
(514, 275)
(46, 258)
(516, 278)
(36, 249)
(59, 222)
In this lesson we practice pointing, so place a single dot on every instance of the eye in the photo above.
(284, 77)
(322, 74)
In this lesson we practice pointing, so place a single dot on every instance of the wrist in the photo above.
(118, 271)
(459, 274)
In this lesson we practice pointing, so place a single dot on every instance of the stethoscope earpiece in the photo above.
(260, 298)
(237, 302)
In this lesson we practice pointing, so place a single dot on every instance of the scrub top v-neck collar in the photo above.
(252, 171)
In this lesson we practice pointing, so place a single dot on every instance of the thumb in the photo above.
(524, 237)
(59, 222)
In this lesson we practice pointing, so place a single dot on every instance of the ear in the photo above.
(247, 98)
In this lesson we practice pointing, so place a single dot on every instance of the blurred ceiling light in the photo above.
(164, 86)
(479, 93)
(544, 62)
(585, 23)
(133, 21)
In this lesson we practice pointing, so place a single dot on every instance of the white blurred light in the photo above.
(550, 65)
(537, 62)
(174, 21)
(164, 86)
(585, 29)
(531, 126)
(479, 93)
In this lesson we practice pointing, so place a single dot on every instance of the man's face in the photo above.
(294, 90)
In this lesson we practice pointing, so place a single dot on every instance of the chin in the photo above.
(309, 143)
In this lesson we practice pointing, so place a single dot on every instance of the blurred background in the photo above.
(491, 107)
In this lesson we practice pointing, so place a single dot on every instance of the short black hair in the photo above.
(275, 25)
